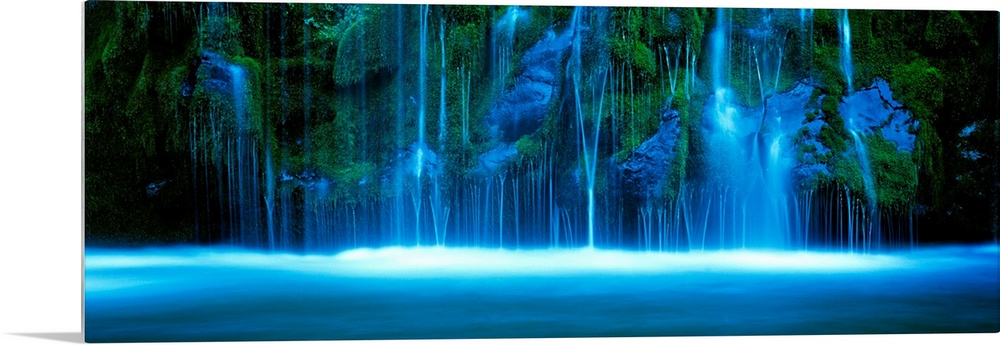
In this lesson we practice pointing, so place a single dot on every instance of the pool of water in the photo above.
(224, 294)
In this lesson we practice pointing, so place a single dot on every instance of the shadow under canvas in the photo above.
(68, 337)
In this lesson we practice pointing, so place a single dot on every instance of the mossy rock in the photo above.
(894, 173)
(367, 46)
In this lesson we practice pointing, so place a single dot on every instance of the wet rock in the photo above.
(214, 73)
(646, 168)
(492, 160)
(411, 161)
(154, 187)
(521, 109)
(418, 159)
(873, 110)
(741, 138)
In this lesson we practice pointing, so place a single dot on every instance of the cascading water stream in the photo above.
(744, 199)
(439, 211)
(845, 47)
(871, 221)
(588, 145)
(397, 174)
(421, 143)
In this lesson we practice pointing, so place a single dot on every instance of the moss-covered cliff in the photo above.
(205, 120)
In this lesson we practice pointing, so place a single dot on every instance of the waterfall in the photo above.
(397, 174)
(439, 212)
(740, 193)
(503, 42)
(245, 172)
(872, 214)
(719, 50)
(224, 139)
(588, 146)
(421, 144)
(845, 51)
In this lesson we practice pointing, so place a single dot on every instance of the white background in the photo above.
(41, 164)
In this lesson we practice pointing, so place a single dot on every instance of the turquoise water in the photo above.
(209, 294)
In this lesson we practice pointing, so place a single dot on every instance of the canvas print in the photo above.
(331, 171)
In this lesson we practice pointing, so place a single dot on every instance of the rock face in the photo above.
(413, 160)
(521, 109)
(646, 169)
(793, 106)
(872, 110)
(763, 140)
(493, 159)
(216, 74)
(787, 112)
(806, 168)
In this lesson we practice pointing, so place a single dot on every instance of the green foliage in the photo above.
(947, 31)
(638, 115)
(254, 96)
(847, 172)
(335, 155)
(463, 15)
(221, 34)
(465, 46)
(831, 76)
(123, 45)
(918, 85)
(331, 21)
(931, 165)
(133, 114)
(803, 150)
(825, 29)
(831, 140)
(830, 105)
(810, 115)
(679, 165)
(366, 46)
(894, 173)
(692, 24)
(635, 54)
(141, 63)
(528, 147)
(814, 96)
(334, 145)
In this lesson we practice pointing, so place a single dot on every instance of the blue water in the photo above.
(208, 294)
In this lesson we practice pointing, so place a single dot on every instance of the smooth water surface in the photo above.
(206, 294)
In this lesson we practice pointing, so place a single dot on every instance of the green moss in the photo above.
(804, 152)
(465, 46)
(847, 172)
(528, 147)
(918, 85)
(825, 30)
(679, 165)
(831, 140)
(367, 46)
(947, 31)
(894, 173)
(335, 155)
(931, 165)
(831, 76)
(814, 96)
(830, 105)
(810, 116)
(254, 96)
(638, 117)
(124, 46)
(644, 60)
(138, 111)
(637, 55)
(221, 34)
